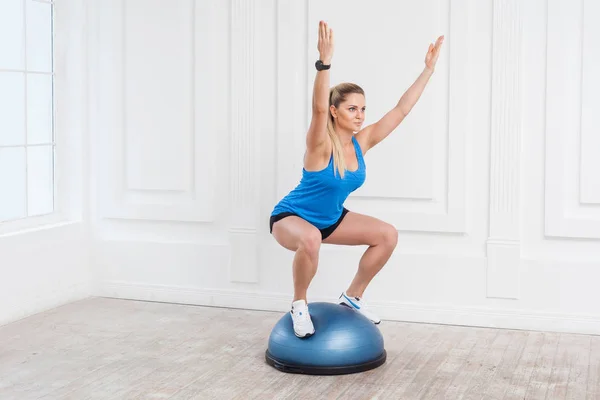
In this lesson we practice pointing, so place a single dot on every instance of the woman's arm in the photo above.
(381, 129)
(413, 94)
(317, 132)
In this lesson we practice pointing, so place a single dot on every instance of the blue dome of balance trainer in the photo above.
(344, 342)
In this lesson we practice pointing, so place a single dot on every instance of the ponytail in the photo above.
(339, 161)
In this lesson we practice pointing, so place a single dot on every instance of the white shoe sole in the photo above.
(352, 308)
(305, 336)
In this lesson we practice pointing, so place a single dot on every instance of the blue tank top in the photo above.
(319, 197)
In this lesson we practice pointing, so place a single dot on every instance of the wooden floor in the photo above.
(116, 349)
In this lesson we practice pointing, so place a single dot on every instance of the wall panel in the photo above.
(156, 133)
(572, 200)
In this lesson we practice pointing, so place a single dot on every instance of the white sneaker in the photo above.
(356, 303)
(303, 326)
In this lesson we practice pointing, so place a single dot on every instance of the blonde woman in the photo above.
(314, 212)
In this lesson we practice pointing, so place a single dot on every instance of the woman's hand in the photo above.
(325, 44)
(433, 53)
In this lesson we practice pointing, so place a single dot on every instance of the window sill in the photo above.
(35, 224)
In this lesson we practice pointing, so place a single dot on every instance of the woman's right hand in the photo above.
(325, 45)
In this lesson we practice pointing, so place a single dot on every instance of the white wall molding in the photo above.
(572, 181)
(140, 92)
(244, 145)
(292, 104)
(589, 142)
(503, 244)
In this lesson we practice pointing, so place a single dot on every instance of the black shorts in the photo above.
(325, 232)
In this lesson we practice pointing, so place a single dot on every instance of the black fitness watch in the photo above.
(320, 66)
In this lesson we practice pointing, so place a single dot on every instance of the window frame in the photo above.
(71, 150)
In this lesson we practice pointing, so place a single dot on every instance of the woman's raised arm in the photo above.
(375, 133)
(317, 132)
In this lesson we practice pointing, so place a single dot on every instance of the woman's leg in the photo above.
(297, 235)
(358, 229)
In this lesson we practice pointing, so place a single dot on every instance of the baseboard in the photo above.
(196, 296)
(393, 311)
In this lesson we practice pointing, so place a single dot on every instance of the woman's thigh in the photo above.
(358, 229)
(290, 232)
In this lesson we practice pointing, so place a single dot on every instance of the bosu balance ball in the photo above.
(344, 342)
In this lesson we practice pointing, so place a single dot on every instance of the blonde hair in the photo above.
(338, 94)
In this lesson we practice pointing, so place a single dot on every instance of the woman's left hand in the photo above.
(433, 53)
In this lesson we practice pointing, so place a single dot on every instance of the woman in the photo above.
(313, 213)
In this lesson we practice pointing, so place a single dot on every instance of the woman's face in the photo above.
(350, 115)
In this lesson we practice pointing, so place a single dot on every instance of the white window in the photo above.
(27, 184)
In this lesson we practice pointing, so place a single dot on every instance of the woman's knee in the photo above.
(294, 234)
(389, 236)
(310, 242)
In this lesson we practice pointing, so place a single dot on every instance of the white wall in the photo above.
(42, 269)
(198, 114)
(45, 261)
